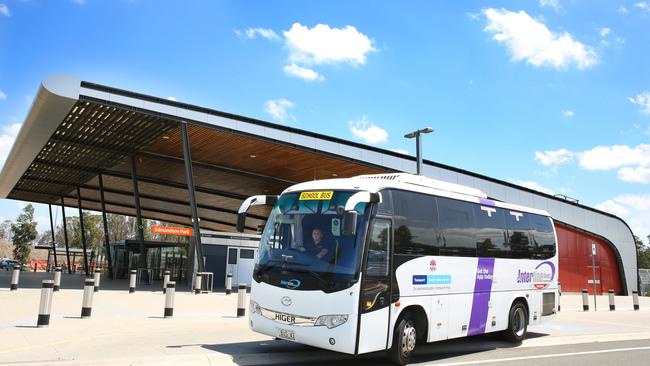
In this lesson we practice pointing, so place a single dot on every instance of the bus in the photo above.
(401, 260)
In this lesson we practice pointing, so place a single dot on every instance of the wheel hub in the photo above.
(408, 338)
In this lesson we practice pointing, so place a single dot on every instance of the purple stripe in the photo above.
(485, 201)
(482, 291)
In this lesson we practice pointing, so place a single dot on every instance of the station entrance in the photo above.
(161, 257)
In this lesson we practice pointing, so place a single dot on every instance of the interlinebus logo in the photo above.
(540, 277)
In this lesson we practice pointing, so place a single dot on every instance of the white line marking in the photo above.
(540, 356)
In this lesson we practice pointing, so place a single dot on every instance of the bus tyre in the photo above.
(517, 323)
(404, 339)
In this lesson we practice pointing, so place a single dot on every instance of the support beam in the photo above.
(53, 242)
(106, 239)
(190, 188)
(83, 233)
(65, 235)
(138, 214)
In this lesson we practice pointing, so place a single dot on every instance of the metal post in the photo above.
(585, 299)
(593, 270)
(635, 300)
(83, 232)
(169, 299)
(241, 300)
(418, 152)
(165, 281)
(106, 238)
(53, 243)
(65, 235)
(15, 277)
(559, 295)
(228, 283)
(612, 300)
(45, 306)
(138, 214)
(190, 188)
(197, 283)
(57, 278)
(132, 281)
(87, 304)
(97, 278)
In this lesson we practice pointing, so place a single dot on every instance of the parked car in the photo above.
(8, 263)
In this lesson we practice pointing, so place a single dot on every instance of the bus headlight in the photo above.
(254, 308)
(331, 321)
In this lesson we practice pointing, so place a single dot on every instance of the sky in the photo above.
(553, 95)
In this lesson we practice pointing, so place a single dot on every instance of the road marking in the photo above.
(540, 356)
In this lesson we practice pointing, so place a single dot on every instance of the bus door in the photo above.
(375, 288)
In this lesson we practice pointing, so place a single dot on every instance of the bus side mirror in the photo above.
(241, 222)
(252, 201)
(349, 225)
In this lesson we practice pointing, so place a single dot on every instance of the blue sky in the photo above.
(552, 94)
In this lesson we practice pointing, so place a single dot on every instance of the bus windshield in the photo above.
(303, 246)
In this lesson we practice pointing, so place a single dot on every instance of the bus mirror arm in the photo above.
(252, 201)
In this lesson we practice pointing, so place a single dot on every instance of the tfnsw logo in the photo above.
(540, 277)
(431, 279)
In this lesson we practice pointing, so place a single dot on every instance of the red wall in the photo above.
(574, 248)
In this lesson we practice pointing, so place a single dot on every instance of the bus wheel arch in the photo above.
(419, 317)
(412, 319)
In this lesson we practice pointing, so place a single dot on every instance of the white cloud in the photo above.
(529, 40)
(368, 132)
(556, 157)
(637, 202)
(173, 99)
(322, 44)
(555, 4)
(278, 109)
(4, 10)
(604, 31)
(623, 10)
(643, 5)
(534, 186)
(252, 33)
(613, 208)
(7, 140)
(616, 156)
(639, 174)
(302, 73)
(642, 100)
(568, 113)
(79, 2)
(3, 96)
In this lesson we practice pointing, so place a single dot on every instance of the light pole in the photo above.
(418, 144)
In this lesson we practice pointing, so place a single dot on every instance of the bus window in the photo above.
(490, 232)
(458, 228)
(542, 233)
(416, 226)
(518, 224)
(378, 249)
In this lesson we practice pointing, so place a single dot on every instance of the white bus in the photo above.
(402, 260)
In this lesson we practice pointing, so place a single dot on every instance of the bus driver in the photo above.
(318, 247)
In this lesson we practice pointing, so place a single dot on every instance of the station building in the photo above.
(95, 147)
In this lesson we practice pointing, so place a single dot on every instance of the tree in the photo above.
(23, 234)
(643, 252)
(5, 230)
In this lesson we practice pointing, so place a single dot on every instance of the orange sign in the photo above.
(168, 230)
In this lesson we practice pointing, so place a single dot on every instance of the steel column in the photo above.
(65, 235)
(53, 243)
(106, 238)
(83, 232)
(138, 214)
(190, 188)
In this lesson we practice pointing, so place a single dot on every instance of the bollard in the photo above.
(87, 304)
(166, 281)
(228, 283)
(132, 281)
(97, 278)
(241, 299)
(559, 295)
(197, 283)
(635, 300)
(15, 276)
(612, 300)
(57, 278)
(585, 300)
(169, 299)
(45, 306)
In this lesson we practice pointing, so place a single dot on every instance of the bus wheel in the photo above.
(404, 339)
(517, 323)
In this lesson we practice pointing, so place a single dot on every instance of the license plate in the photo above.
(287, 334)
